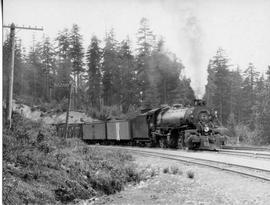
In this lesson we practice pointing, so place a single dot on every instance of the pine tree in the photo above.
(110, 70)
(35, 73)
(262, 107)
(63, 63)
(218, 86)
(235, 97)
(94, 72)
(129, 93)
(145, 42)
(76, 55)
(19, 67)
(248, 94)
(48, 61)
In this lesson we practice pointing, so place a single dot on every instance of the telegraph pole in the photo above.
(11, 74)
(65, 85)
(67, 116)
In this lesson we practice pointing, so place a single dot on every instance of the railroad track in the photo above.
(254, 154)
(254, 172)
(250, 148)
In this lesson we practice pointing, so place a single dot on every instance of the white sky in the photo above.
(193, 29)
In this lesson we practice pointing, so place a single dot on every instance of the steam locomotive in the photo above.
(192, 127)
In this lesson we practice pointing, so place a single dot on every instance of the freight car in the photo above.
(192, 127)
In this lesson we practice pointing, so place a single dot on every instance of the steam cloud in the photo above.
(193, 36)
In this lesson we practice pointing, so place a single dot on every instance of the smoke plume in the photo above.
(193, 36)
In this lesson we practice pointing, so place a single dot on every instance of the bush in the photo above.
(166, 170)
(176, 170)
(48, 169)
(190, 174)
(245, 136)
(148, 172)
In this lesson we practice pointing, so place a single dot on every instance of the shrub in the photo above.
(69, 169)
(148, 172)
(175, 170)
(166, 170)
(245, 136)
(190, 174)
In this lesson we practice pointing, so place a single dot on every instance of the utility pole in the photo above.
(11, 74)
(64, 85)
(67, 116)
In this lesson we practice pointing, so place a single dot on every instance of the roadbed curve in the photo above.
(232, 159)
(209, 187)
(246, 151)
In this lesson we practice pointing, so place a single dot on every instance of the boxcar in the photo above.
(95, 131)
(74, 130)
(118, 130)
(139, 128)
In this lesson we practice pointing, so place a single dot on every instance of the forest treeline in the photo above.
(113, 74)
(107, 73)
(241, 97)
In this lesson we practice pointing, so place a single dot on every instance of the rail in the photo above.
(224, 166)
(254, 154)
(250, 148)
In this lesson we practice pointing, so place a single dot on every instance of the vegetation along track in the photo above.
(254, 154)
(254, 172)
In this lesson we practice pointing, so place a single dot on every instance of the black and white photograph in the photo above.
(135, 102)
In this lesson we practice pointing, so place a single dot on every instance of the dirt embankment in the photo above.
(35, 114)
(40, 168)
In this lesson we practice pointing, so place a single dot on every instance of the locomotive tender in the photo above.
(192, 127)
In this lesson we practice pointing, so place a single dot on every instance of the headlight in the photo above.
(206, 128)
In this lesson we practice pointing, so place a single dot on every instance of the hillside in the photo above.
(51, 117)
(41, 168)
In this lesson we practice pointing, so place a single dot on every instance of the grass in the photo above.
(49, 170)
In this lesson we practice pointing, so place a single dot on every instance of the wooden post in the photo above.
(67, 116)
(11, 76)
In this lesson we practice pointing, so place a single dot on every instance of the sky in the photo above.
(192, 29)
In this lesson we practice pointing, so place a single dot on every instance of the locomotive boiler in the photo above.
(194, 127)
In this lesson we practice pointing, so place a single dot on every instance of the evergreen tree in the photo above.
(110, 70)
(94, 72)
(35, 73)
(235, 97)
(48, 61)
(19, 67)
(63, 63)
(76, 55)
(129, 93)
(219, 85)
(248, 94)
(145, 42)
(262, 107)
